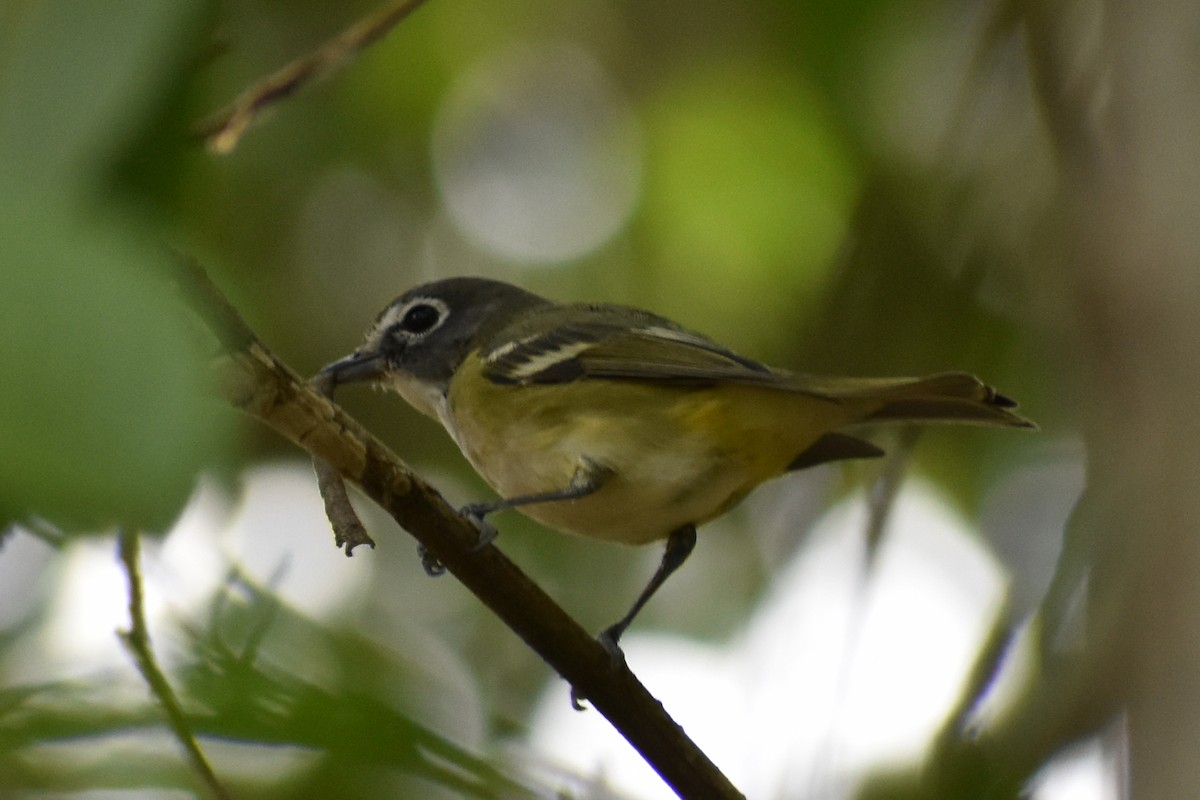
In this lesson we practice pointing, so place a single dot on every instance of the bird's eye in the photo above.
(420, 318)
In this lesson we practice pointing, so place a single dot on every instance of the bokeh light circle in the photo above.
(537, 154)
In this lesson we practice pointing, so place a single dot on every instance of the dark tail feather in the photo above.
(939, 410)
(834, 447)
(949, 397)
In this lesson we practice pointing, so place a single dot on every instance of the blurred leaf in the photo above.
(748, 197)
(285, 732)
(105, 414)
(76, 79)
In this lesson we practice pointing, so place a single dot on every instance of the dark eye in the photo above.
(420, 318)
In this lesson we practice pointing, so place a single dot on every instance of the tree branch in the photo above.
(224, 130)
(137, 641)
(256, 382)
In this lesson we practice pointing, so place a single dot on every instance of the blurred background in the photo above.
(869, 188)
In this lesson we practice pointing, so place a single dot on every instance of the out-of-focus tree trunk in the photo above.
(1124, 113)
(1134, 250)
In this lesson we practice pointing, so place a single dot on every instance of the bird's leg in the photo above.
(588, 477)
(679, 546)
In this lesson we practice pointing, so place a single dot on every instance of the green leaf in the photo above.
(105, 412)
(76, 81)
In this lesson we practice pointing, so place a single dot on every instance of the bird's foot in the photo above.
(433, 568)
(608, 639)
(476, 514)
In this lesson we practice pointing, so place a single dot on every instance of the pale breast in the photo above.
(675, 454)
(665, 472)
(648, 498)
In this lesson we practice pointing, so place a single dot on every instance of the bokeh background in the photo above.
(867, 188)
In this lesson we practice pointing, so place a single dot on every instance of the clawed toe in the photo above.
(476, 513)
(608, 640)
(487, 535)
(578, 701)
(433, 568)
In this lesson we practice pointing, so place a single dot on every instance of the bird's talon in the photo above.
(476, 513)
(433, 568)
(608, 640)
(487, 535)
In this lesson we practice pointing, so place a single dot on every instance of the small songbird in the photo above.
(611, 422)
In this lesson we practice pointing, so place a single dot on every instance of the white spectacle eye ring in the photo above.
(417, 318)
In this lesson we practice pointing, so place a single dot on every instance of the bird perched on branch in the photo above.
(611, 422)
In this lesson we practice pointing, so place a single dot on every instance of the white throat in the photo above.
(427, 398)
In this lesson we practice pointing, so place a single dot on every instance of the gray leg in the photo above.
(589, 476)
(679, 546)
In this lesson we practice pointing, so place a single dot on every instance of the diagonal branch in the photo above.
(256, 382)
(224, 130)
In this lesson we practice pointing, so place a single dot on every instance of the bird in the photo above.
(615, 423)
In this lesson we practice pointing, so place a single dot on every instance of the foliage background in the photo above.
(877, 187)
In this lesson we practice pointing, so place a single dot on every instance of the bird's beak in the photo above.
(354, 368)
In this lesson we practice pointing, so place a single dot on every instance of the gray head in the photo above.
(425, 334)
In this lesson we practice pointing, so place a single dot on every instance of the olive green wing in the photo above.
(560, 344)
(566, 343)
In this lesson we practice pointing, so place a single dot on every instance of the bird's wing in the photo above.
(566, 343)
(560, 344)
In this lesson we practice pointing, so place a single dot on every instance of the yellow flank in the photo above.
(677, 454)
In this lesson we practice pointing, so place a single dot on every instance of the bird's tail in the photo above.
(947, 397)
